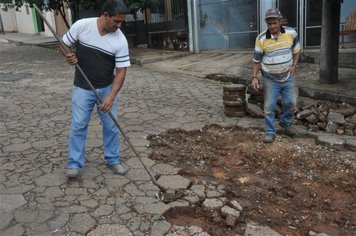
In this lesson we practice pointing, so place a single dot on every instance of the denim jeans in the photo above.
(272, 90)
(83, 103)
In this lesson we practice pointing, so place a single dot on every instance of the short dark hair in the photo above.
(115, 7)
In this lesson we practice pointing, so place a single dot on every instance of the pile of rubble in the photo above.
(329, 117)
(315, 115)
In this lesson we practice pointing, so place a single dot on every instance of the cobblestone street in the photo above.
(35, 196)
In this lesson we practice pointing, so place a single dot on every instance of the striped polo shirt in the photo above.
(276, 54)
(98, 56)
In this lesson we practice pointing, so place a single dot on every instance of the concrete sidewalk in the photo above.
(30, 39)
(239, 64)
(231, 63)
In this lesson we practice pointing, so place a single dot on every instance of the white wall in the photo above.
(24, 20)
(265, 5)
(50, 18)
(9, 20)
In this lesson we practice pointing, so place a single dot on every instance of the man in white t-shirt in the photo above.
(101, 51)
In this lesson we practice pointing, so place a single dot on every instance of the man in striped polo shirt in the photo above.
(101, 50)
(277, 52)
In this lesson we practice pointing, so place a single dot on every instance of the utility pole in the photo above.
(329, 45)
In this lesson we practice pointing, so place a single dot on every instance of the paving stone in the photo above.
(148, 186)
(145, 226)
(102, 192)
(174, 182)
(226, 211)
(134, 224)
(90, 173)
(138, 174)
(45, 144)
(90, 203)
(2, 177)
(75, 209)
(333, 141)
(53, 192)
(10, 202)
(255, 230)
(179, 203)
(236, 205)
(350, 143)
(103, 211)
(122, 209)
(213, 204)
(213, 193)
(35, 228)
(5, 219)
(20, 189)
(146, 200)
(76, 191)
(51, 180)
(134, 163)
(16, 230)
(110, 229)
(152, 208)
(160, 228)
(18, 147)
(195, 230)
(58, 221)
(254, 110)
(44, 216)
(133, 190)
(192, 199)
(336, 118)
(82, 223)
(165, 169)
(24, 216)
(8, 166)
(199, 190)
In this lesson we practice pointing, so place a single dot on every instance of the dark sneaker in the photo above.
(290, 131)
(73, 173)
(119, 169)
(269, 138)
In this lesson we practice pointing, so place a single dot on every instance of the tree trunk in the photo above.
(329, 47)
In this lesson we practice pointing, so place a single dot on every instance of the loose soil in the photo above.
(292, 185)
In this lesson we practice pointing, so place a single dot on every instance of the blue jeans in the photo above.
(83, 102)
(288, 92)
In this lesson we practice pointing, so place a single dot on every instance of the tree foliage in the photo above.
(141, 4)
(95, 5)
(58, 6)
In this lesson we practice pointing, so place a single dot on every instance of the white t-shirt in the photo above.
(97, 55)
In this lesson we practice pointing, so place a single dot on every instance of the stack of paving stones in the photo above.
(234, 99)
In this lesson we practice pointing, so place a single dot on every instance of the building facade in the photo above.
(234, 24)
(198, 25)
(26, 20)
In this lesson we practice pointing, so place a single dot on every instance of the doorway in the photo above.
(228, 24)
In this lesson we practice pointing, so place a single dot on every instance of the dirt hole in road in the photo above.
(293, 185)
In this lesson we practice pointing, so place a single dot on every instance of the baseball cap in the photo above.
(273, 13)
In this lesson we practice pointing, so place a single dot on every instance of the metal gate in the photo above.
(228, 24)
